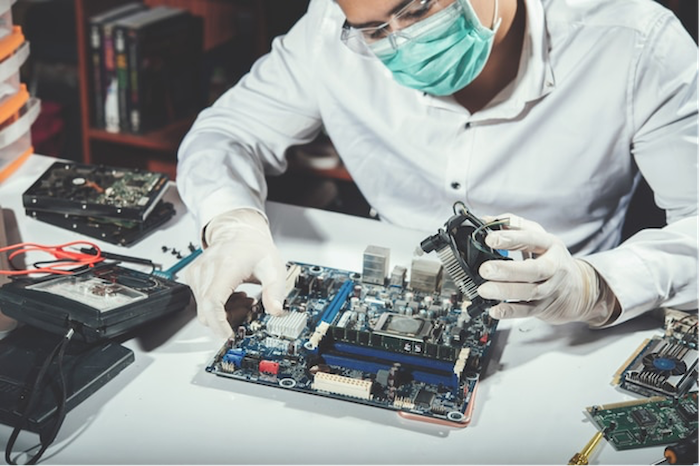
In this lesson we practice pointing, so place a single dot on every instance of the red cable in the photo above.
(65, 258)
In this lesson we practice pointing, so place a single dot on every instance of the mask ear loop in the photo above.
(496, 20)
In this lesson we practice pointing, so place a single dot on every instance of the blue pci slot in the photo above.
(340, 298)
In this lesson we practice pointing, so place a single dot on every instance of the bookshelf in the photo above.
(155, 150)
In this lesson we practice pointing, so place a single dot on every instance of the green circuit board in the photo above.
(647, 422)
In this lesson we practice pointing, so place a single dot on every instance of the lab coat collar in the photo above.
(535, 78)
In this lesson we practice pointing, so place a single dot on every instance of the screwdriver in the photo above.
(170, 273)
(582, 457)
(683, 452)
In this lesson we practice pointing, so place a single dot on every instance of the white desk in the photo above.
(165, 409)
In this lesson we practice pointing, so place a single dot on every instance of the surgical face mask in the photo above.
(441, 54)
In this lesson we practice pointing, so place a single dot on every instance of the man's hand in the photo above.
(240, 249)
(552, 286)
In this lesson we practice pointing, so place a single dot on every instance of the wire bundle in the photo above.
(64, 261)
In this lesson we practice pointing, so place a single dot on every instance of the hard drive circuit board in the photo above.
(96, 190)
(417, 352)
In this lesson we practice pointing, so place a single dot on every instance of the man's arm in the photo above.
(659, 267)
(225, 155)
(222, 164)
(655, 267)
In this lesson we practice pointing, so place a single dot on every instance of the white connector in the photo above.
(341, 385)
(318, 335)
(461, 361)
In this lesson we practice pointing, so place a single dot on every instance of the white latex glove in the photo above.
(553, 286)
(239, 249)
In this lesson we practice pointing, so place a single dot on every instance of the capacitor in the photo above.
(357, 291)
(390, 380)
(393, 374)
(256, 326)
(317, 285)
(455, 334)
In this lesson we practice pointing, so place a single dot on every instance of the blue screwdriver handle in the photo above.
(179, 265)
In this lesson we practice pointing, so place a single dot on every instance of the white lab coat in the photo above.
(606, 90)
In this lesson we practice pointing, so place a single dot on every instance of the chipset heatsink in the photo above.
(287, 326)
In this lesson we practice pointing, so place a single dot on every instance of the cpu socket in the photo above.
(398, 325)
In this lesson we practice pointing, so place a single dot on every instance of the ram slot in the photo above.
(415, 361)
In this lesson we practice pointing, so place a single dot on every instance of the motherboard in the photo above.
(373, 338)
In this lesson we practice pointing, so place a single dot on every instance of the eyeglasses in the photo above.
(360, 40)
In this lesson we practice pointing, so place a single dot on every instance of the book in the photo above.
(102, 55)
(158, 58)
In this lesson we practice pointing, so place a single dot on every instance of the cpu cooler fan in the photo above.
(461, 248)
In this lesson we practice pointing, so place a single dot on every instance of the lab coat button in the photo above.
(455, 185)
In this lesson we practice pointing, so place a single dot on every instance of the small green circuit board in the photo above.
(648, 422)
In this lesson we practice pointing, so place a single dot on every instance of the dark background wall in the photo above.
(51, 69)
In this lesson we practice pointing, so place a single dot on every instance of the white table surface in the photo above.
(166, 409)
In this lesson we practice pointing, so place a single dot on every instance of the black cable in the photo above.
(119, 257)
(39, 264)
(56, 355)
(73, 271)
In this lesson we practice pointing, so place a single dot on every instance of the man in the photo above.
(551, 110)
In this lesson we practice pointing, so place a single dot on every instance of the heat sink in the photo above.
(287, 326)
